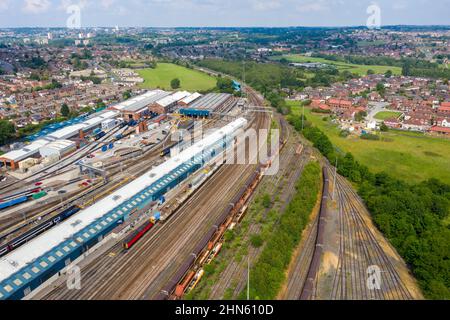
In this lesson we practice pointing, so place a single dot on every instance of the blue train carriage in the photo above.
(14, 202)
(237, 86)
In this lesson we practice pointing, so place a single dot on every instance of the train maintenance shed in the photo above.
(212, 102)
(29, 266)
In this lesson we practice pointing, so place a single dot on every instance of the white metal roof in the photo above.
(139, 102)
(26, 254)
(177, 96)
(60, 144)
(25, 152)
(191, 98)
(64, 133)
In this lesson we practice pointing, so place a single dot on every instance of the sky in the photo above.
(220, 13)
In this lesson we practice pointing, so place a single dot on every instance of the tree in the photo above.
(360, 116)
(388, 74)
(7, 131)
(225, 85)
(384, 127)
(406, 69)
(127, 95)
(175, 83)
(380, 88)
(370, 72)
(65, 111)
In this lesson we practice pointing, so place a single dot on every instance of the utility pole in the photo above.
(303, 118)
(243, 79)
(248, 278)
(335, 176)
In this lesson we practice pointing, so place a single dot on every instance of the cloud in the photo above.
(263, 5)
(36, 6)
(399, 5)
(314, 6)
(4, 5)
(67, 3)
(107, 3)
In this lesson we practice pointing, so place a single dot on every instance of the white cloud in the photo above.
(314, 6)
(36, 6)
(107, 3)
(67, 3)
(399, 5)
(4, 5)
(263, 5)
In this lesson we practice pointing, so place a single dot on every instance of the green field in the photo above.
(161, 77)
(353, 68)
(384, 115)
(410, 156)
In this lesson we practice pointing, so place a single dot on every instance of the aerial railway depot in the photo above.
(115, 149)
(51, 252)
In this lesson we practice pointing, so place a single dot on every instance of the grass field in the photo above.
(383, 115)
(161, 77)
(354, 68)
(410, 156)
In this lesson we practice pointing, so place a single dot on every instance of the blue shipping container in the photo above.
(14, 202)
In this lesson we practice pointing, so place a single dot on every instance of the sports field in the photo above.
(383, 115)
(161, 77)
(353, 68)
(409, 156)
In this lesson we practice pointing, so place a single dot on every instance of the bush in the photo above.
(369, 136)
(267, 201)
(256, 241)
(268, 273)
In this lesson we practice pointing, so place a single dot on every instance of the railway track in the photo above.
(118, 277)
(359, 250)
(15, 224)
(235, 274)
(143, 271)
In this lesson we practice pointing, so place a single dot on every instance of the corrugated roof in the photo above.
(64, 133)
(177, 96)
(211, 101)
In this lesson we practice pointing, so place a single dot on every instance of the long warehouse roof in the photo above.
(210, 102)
(27, 254)
(177, 96)
(64, 133)
(138, 103)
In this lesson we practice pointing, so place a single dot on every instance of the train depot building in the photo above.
(29, 266)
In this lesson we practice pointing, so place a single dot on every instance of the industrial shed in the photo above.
(58, 148)
(30, 265)
(13, 158)
(212, 102)
(138, 107)
(168, 103)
